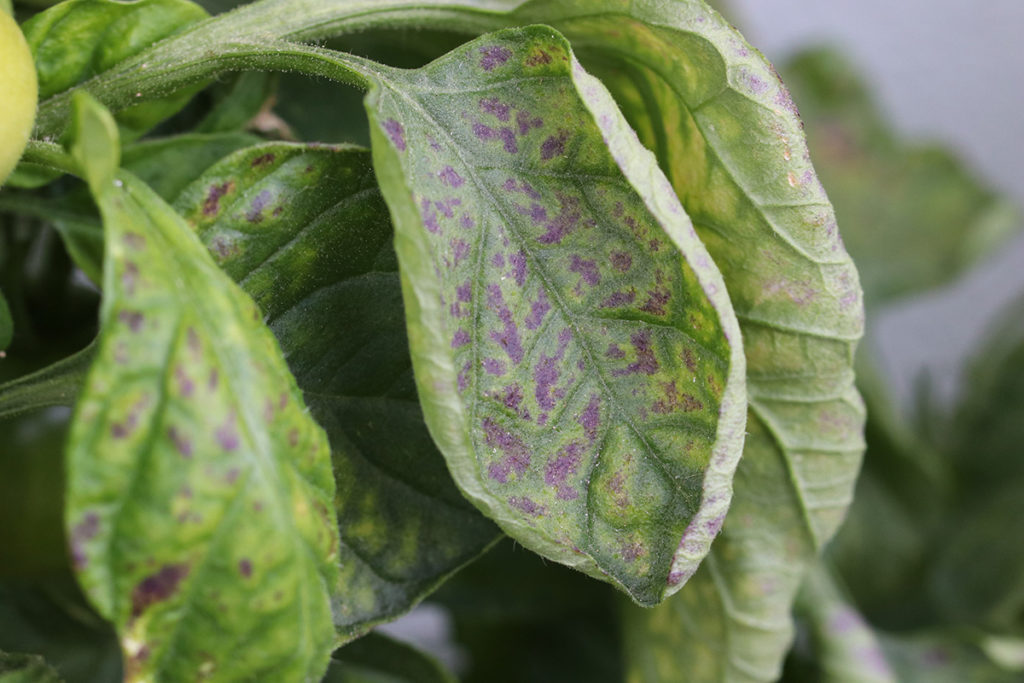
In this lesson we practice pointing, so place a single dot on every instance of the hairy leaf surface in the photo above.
(77, 39)
(199, 489)
(305, 232)
(726, 132)
(575, 351)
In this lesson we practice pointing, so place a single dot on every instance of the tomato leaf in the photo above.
(199, 489)
(76, 39)
(575, 351)
(304, 230)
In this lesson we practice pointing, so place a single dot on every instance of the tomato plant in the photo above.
(583, 290)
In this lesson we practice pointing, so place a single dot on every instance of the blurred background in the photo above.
(943, 72)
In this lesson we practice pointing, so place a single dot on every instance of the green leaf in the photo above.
(77, 39)
(199, 489)
(575, 351)
(375, 658)
(939, 657)
(22, 668)
(919, 204)
(305, 232)
(6, 324)
(54, 385)
(726, 133)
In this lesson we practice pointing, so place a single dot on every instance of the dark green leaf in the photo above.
(22, 668)
(199, 489)
(979, 576)
(988, 428)
(306, 233)
(6, 324)
(77, 39)
(913, 216)
(54, 385)
(239, 102)
(942, 658)
(375, 658)
(519, 618)
(168, 165)
(575, 351)
(49, 617)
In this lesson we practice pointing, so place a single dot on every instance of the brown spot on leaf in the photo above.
(212, 204)
(263, 160)
(157, 587)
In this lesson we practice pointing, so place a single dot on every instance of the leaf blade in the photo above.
(323, 272)
(467, 201)
(214, 489)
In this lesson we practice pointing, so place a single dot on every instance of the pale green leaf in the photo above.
(76, 39)
(305, 231)
(199, 489)
(575, 351)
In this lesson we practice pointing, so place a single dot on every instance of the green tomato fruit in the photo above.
(18, 94)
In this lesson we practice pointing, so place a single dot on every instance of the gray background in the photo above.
(948, 70)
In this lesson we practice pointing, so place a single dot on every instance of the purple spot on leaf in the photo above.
(83, 532)
(493, 366)
(590, 419)
(460, 250)
(516, 456)
(227, 434)
(538, 309)
(396, 133)
(508, 336)
(518, 261)
(181, 442)
(564, 223)
(524, 122)
(460, 339)
(645, 362)
(449, 176)
(657, 298)
(133, 319)
(621, 261)
(553, 146)
(255, 213)
(587, 269)
(524, 504)
(616, 299)
(562, 467)
(245, 567)
(493, 55)
(495, 107)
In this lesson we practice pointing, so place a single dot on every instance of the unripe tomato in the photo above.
(18, 94)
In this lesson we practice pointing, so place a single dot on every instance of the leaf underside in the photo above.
(199, 503)
(304, 231)
(571, 337)
(727, 134)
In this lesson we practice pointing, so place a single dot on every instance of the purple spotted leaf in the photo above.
(318, 260)
(577, 358)
(199, 499)
(726, 132)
